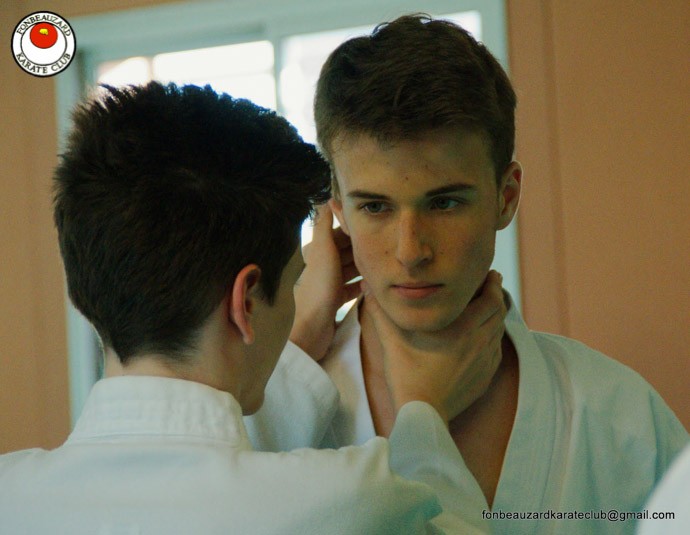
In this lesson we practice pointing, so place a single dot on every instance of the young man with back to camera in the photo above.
(178, 213)
(417, 122)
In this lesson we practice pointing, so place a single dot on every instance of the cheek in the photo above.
(468, 251)
(370, 256)
(478, 255)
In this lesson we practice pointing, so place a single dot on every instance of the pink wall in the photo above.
(604, 135)
(34, 393)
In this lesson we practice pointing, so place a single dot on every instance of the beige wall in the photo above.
(604, 136)
(34, 397)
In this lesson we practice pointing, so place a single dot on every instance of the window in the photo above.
(242, 70)
(268, 51)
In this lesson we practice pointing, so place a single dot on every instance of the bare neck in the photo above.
(481, 432)
(198, 369)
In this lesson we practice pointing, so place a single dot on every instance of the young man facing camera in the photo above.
(178, 213)
(417, 121)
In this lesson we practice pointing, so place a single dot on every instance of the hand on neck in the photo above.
(450, 368)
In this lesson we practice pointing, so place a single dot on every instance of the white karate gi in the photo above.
(590, 435)
(152, 455)
(671, 496)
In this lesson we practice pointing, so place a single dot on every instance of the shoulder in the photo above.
(19, 469)
(588, 370)
(16, 461)
(336, 483)
(598, 381)
(611, 405)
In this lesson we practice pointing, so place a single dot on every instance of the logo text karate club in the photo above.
(43, 44)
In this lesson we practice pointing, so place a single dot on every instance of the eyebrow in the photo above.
(451, 188)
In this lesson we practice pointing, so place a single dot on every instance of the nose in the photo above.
(413, 248)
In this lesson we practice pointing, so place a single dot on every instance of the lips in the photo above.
(416, 290)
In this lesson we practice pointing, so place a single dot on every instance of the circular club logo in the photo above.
(43, 44)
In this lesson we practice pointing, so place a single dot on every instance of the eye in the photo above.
(374, 207)
(444, 203)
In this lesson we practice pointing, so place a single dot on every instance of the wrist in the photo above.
(313, 342)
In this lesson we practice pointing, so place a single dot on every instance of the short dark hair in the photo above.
(414, 75)
(163, 195)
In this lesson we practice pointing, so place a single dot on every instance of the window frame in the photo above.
(175, 27)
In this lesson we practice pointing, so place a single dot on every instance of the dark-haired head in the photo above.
(411, 76)
(163, 195)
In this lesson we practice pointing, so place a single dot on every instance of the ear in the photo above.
(509, 194)
(245, 291)
(336, 205)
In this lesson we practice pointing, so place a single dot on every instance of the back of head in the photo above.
(163, 194)
(414, 75)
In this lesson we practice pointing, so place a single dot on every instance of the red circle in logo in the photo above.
(43, 35)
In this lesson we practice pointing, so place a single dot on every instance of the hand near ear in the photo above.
(323, 287)
(454, 372)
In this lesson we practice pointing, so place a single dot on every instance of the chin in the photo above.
(416, 320)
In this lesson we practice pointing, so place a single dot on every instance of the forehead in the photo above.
(432, 160)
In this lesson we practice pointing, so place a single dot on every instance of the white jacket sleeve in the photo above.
(423, 450)
(299, 404)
